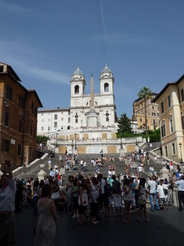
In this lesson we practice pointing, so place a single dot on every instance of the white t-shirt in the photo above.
(152, 184)
(160, 190)
(7, 198)
(140, 169)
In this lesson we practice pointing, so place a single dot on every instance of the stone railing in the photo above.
(16, 172)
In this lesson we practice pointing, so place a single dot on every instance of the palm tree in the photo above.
(145, 94)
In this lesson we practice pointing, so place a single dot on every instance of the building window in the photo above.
(76, 120)
(157, 114)
(42, 128)
(182, 95)
(8, 92)
(61, 119)
(182, 118)
(55, 124)
(20, 126)
(35, 112)
(6, 119)
(152, 107)
(34, 133)
(153, 114)
(76, 89)
(140, 119)
(42, 120)
(68, 112)
(166, 154)
(173, 148)
(162, 107)
(48, 128)
(153, 121)
(48, 119)
(19, 150)
(163, 130)
(55, 116)
(169, 101)
(21, 102)
(32, 107)
(69, 120)
(106, 87)
(107, 116)
(171, 126)
(6, 145)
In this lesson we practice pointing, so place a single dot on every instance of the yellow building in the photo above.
(152, 113)
(171, 109)
(18, 119)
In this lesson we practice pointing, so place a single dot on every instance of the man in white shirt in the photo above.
(180, 184)
(152, 185)
(162, 193)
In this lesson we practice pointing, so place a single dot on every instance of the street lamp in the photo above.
(181, 154)
(121, 141)
(75, 141)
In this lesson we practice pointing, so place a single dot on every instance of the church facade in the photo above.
(58, 121)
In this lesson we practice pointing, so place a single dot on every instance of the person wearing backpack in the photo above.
(116, 193)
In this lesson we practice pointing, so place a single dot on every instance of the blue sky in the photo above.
(141, 41)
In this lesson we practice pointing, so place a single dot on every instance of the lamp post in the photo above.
(181, 154)
(75, 141)
(121, 141)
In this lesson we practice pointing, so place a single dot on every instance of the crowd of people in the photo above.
(85, 197)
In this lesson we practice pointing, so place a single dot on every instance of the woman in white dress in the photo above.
(46, 224)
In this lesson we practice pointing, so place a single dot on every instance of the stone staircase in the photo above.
(120, 166)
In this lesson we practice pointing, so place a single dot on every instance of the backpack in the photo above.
(108, 189)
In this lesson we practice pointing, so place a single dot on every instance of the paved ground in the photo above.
(164, 229)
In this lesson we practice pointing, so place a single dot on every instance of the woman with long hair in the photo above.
(94, 193)
(142, 199)
(69, 194)
(127, 200)
(46, 226)
(83, 202)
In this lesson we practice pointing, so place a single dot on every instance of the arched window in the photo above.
(106, 87)
(107, 116)
(76, 89)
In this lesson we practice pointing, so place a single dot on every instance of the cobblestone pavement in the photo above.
(164, 228)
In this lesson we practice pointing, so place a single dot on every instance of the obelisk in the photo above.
(92, 90)
(92, 115)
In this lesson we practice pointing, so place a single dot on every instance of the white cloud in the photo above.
(30, 62)
(15, 8)
(128, 39)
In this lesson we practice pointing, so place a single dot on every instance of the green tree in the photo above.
(145, 94)
(124, 125)
(41, 139)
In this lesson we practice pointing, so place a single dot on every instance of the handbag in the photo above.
(55, 195)
(84, 199)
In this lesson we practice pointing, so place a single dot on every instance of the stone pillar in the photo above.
(121, 152)
(164, 173)
(1, 173)
(42, 174)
